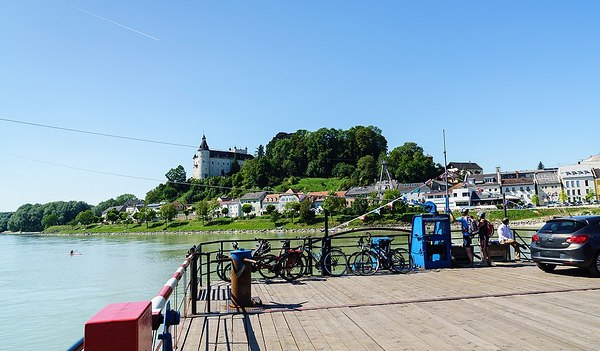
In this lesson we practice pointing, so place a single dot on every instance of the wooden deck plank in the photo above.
(507, 306)
(357, 337)
(190, 338)
(268, 332)
(534, 313)
(300, 335)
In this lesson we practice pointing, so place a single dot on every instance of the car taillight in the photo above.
(535, 238)
(578, 239)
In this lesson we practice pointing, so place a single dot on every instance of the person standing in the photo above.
(506, 237)
(466, 223)
(484, 238)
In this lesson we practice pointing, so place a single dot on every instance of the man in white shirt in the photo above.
(505, 237)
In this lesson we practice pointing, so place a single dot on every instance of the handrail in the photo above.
(77, 346)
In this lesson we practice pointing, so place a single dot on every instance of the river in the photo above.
(49, 294)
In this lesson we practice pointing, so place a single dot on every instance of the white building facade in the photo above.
(210, 163)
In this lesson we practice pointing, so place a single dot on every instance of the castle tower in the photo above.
(201, 161)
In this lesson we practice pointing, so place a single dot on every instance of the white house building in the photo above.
(577, 181)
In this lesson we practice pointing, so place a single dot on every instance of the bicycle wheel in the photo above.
(292, 266)
(365, 263)
(397, 261)
(335, 263)
(224, 271)
(266, 266)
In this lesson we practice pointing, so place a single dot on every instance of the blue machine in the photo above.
(431, 239)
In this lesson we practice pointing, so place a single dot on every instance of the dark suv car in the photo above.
(569, 241)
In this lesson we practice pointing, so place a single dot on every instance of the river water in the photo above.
(49, 294)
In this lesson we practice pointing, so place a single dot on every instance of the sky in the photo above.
(509, 84)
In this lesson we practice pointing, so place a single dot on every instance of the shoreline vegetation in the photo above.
(520, 219)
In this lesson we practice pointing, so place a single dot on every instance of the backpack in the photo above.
(472, 226)
(486, 229)
(490, 229)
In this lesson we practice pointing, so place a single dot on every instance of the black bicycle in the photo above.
(334, 262)
(376, 254)
(259, 255)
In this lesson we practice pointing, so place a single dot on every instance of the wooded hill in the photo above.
(352, 156)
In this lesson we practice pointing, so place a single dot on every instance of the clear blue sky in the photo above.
(512, 83)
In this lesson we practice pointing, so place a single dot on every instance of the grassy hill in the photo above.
(313, 184)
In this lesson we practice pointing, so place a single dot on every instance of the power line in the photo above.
(95, 133)
(130, 176)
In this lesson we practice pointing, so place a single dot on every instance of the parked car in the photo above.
(569, 241)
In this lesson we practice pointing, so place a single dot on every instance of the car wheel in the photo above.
(546, 267)
(595, 266)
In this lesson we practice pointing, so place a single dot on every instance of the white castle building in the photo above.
(208, 163)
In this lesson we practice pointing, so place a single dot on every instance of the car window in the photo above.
(561, 227)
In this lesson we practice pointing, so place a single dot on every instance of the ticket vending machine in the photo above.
(431, 239)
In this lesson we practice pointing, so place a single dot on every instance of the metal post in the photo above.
(504, 204)
(208, 288)
(194, 282)
(325, 246)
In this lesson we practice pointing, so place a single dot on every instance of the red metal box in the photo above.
(120, 326)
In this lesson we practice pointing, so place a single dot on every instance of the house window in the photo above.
(578, 184)
(586, 183)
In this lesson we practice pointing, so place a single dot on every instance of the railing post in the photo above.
(194, 281)
(200, 263)
(208, 288)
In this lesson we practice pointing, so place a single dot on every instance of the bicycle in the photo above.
(258, 255)
(288, 264)
(391, 259)
(375, 255)
(334, 262)
(364, 261)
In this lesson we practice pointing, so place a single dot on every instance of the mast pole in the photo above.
(446, 172)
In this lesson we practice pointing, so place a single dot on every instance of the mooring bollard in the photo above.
(241, 278)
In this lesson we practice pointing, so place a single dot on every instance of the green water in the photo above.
(49, 294)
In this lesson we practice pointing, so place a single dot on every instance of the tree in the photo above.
(202, 210)
(112, 215)
(247, 208)
(176, 175)
(4, 217)
(535, 199)
(225, 211)
(562, 197)
(275, 216)
(168, 212)
(590, 196)
(27, 218)
(291, 208)
(408, 164)
(334, 203)
(49, 220)
(366, 170)
(270, 208)
(306, 213)
(359, 207)
(86, 218)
